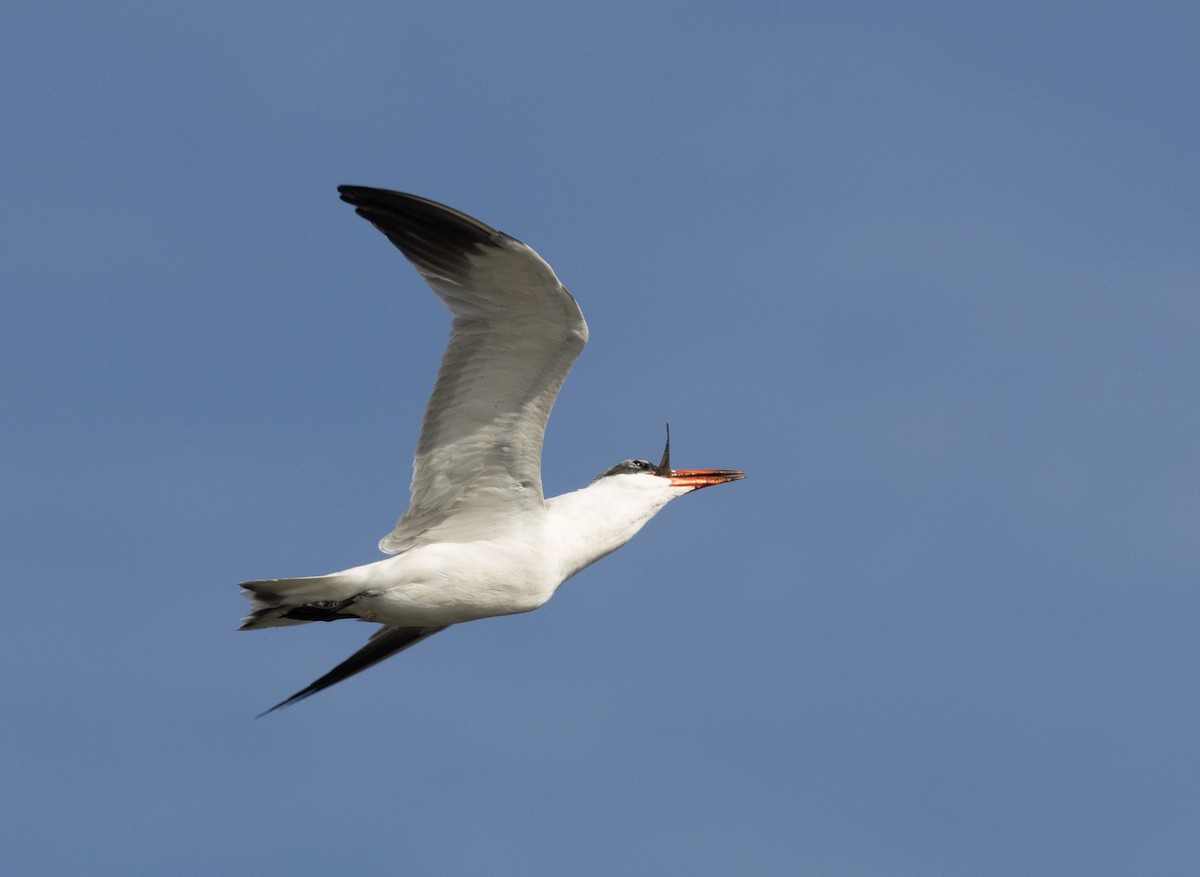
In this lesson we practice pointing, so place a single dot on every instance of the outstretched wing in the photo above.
(384, 643)
(516, 332)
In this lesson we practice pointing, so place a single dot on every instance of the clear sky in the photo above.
(927, 271)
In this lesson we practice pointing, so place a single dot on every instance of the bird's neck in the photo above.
(596, 520)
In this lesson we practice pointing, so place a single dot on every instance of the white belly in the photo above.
(448, 583)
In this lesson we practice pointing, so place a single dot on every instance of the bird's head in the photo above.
(689, 479)
(609, 511)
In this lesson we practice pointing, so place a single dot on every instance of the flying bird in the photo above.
(478, 539)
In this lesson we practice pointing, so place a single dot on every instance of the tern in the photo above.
(478, 539)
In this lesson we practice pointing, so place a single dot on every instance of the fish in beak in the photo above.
(693, 478)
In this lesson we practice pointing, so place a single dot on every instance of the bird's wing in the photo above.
(384, 643)
(516, 332)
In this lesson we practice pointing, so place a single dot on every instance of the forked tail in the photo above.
(283, 602)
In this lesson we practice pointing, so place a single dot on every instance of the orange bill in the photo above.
(697, 478)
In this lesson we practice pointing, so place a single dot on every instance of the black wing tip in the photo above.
(372, 203)
(437, 239)
(383, 644)
(295, 698)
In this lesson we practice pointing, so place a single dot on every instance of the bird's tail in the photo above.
(282, 602)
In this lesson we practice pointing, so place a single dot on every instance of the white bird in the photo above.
(478, 538)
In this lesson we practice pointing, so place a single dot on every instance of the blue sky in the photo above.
(926, 271)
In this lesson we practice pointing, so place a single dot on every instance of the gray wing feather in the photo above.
(515, 335)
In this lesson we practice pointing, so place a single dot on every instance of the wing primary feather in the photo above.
(383, 644)
(436, 238)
